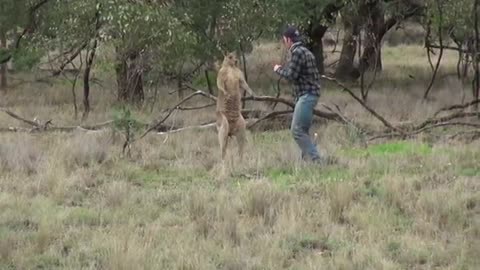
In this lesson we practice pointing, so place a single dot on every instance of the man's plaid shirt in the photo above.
(302, 71)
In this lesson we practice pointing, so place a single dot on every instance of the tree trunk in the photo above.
(372, 55)
(315, 44)
(476, 57)
(375, 30)
(86, 80)
(345, 68)
(317, 27)
(129, 72)
(4, 66)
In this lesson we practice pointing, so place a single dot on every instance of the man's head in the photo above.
(290, 36)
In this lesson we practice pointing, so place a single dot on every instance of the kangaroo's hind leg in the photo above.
(241, 136)
(223, 130)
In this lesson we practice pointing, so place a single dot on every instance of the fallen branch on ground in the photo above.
(195, 108)
(474, 133)
(364, 105)
(319, 113)
(457, 107)
(48, 125)
(206, 126)
(174, 108)
(31, 123)
(434, 121)
(423, 129)
(268, 116)
(357, 128)
(254, 117)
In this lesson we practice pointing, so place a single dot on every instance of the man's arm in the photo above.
(292, 70)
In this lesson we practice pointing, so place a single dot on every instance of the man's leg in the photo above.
(301, 122)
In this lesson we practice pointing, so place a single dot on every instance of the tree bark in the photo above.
(476, 58)
(345, 68)
(317, 27)
(86, 80)
(375, 29)
(315, 44)
(3, 68)
(129, 74)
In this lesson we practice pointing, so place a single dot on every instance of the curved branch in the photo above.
(70, 59)
(364, 105)
(270, 115)
(418, 131)
(15, 116)
(440, 39)
(428, 46)
(457, 107)
(171, 110)
(433, 121)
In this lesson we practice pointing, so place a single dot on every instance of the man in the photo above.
(302, 71)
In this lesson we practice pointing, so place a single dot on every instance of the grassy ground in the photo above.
(70, 201)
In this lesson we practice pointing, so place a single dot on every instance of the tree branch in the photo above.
(268, 116)
(171, 110)
(11, 114)
(423, 129)
(433, 121)
(440, 39)
(70, 59)
(28, 28)
(457, 107)
(48, 125)
(364, 105)
(206, 126)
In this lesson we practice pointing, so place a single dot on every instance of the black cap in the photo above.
(292, 32)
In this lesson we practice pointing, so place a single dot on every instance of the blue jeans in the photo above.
(301, 122)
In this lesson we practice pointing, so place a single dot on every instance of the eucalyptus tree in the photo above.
(314, 17)
(458, 21)
(15, 15)
(374, 18)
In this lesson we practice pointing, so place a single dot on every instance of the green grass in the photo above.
(389, 149)
(470, 172)
(288, 177)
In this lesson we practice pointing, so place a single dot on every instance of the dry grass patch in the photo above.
(71, 201)
(85, 150)
(20, 154)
